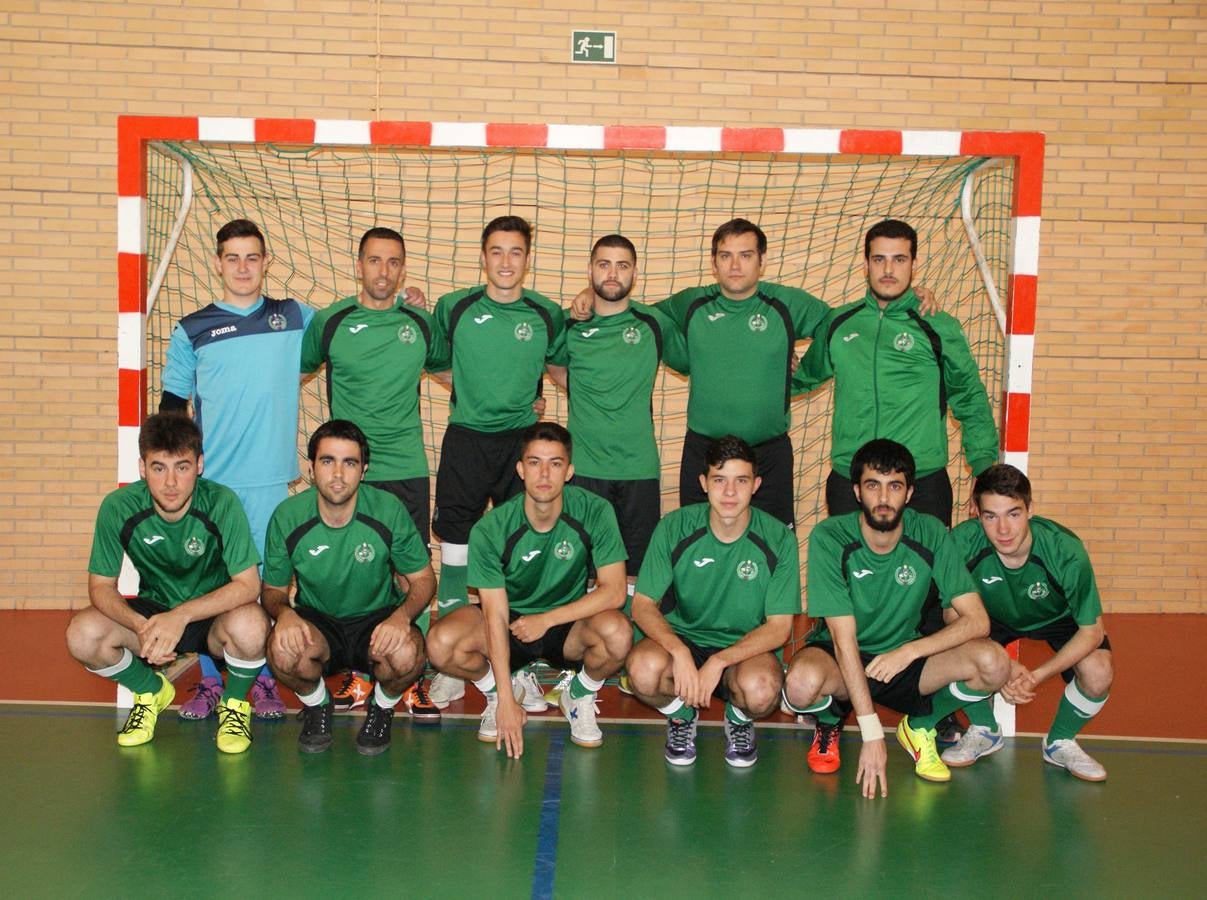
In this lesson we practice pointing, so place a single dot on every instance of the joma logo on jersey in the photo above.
(523, 332)
(153, 539)
(317, 551)
(530, 555)
(194, 546)
(229, 329)
(847, 338)
(712, 317)
(482, 319)
(757, 322)
(1038, 591)
(364, 553)
(862, 573)
(563, 550)
(701, 563)
(905, 575)
(588, 332)
(357, 329)
(992, 580)
(407, 334)
(748, 570)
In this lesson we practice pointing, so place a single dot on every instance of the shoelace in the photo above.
(680, 734)
(421, 697)
(742, 737)
(315, 720)
(259, 691)
(344, 688)
(233, 721)
(206, 691)
(377, 720)
(826, 735)
(137, 714)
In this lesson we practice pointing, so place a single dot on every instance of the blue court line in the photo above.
(551, 807)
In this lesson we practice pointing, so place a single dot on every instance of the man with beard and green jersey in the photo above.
(895, 374)
(871, 575)
(608, 365)
(350, 548)
(1037, 583)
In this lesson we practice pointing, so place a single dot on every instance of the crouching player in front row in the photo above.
(715, 597)
(870, 576)
(1036, 581)
(350, 547)
(189, 540)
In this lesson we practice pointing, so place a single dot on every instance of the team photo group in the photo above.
(552, 543)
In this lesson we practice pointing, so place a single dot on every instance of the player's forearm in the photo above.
(963, 629)
(420, 591)
(768, 637)
(558, 374)
(498, 637)
(1082, 644)
(107, 600)
(275, 600)
(604, 597)
(653, 624)
(243, 588)
(850, 666)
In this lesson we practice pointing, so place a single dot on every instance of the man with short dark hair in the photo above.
(350, 547)
(530, 559)
(871, 575)
(1037, 583)
(715, 599)
(895, 374)
(188, 539)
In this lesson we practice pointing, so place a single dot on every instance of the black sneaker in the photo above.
(741, 747)
(374, 735)
(949, 731)
(316, 728)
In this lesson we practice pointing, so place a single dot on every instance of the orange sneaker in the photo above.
(423, 710)
(823, 753)
(353, 691)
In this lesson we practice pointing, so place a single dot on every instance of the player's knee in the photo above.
(992, 663)
(440, 645)
(85, 632)
(759, 691)
(646, 668)
(1096, 673)
(802, 684)
(616, 633)
(246, 628)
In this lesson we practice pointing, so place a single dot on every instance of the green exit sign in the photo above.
(593, 46)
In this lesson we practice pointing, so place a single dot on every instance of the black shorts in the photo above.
(416, 496)
(195, 638)
(932, 494)
(475, 467)
(347, 639)
(1057, 634)
(550, 646)
(701, 655)
(774, 458)
(638, 507)
(900, 693)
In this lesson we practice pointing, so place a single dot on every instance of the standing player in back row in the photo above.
(608, 365)
(1037, 583)
(496, 338)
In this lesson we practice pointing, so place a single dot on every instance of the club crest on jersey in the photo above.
(905, 575)
(904, 342)
(563, 550)
(757, 322)
(407, 334)
(748, 570)
(523, 332)
(631, 335)
(1038, 591)
(364, 554)
(194, 546)
(277, 322)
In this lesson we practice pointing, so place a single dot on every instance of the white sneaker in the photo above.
(977, 741)
(444, 689)
(553, 695)
(488, 728)
(1069, 756)
(528, 691)
(581, 713)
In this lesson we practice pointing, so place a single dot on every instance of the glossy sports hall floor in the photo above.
(443, 815)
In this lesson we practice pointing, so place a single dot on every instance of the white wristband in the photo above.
(870, 728)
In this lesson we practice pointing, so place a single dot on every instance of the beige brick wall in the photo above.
(1120, 89)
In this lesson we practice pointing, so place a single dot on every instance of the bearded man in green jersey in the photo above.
(1037, 583)
(715, 598)
(351, 548)
(871, 575)
(530, 559)
(191, 545)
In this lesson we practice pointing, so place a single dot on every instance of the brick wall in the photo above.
(1120, 88)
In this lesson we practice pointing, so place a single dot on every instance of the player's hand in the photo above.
(529, 628)
(710, 677)
(159, 635)
(413, 296)
(685, 676)
(928, 303)
(291, 635)
(887, 665)
(510, 719)
(538, 406)
(1020, 689)
(582, 307)
(873, 759)
(387, 639)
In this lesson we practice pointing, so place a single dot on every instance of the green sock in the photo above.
(240, 676)
(945, 701)
(981, 713)
(132, 673)
(583, 684)
(684, 713)
(735, 715)
(452, 592)
(1074, 711)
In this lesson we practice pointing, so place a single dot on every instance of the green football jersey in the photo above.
(347, 571)
(612, 362)
(543, 571)
(497, 352)
(176, 561)
(374, 360)
(886, 593)
(713, 594)
(1055, 581)
(741, 356)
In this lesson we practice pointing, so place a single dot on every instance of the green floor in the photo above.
(442, 815)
